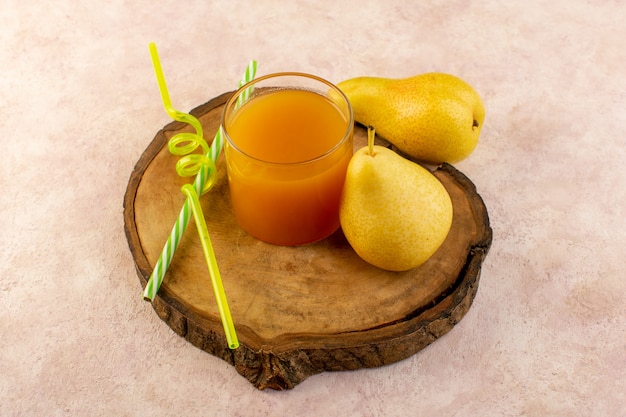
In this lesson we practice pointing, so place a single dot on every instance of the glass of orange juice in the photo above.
(287, 149)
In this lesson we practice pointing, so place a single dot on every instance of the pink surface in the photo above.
(546, 334)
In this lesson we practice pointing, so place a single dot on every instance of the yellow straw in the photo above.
(165, 96)
(209, 255)
(204, 167)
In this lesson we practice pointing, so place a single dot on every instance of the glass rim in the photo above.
(238, 92)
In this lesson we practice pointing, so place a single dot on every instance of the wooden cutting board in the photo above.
(297, 311)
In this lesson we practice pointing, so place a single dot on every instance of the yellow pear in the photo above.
(394, 213)
(432, 117)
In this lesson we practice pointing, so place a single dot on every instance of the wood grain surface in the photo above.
(303, 310)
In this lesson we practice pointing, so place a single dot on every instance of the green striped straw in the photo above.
(203, 176)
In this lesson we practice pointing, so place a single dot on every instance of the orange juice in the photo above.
(287, 152)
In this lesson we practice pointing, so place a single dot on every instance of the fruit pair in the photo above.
(395, 213)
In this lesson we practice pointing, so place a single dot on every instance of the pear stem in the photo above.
(371, 133)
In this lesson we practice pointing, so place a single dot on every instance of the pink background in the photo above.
(546, 335)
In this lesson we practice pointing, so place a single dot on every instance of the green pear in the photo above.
(394, 213)
(432, 117)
